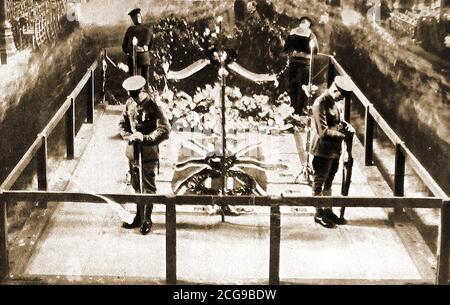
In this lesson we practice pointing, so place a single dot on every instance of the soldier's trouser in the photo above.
(144, 71)
(298, 76)
(148, 187)
(324, 172)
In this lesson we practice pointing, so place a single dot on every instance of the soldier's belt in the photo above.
(142, 49)
(301, 54)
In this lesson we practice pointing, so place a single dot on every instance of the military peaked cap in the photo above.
(343, 83)
(134, 83)
(134, 12)
(306, 18)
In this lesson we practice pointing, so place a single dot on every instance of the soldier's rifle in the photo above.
(137, 149)
(138, 155)
(347, 169)
(134, 55)
(307, 170)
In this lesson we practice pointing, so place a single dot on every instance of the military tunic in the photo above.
(144, 37)
(148, 118)
(326, 143)
(327, 136)
(299, 64)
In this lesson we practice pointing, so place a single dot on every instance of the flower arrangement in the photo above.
(243, 112)
(178, 43)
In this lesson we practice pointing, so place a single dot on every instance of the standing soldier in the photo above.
(299, 44)
(328, 132)
(240, 13)
(144, 125)
(136, 44)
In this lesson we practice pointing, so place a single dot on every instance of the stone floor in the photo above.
(87, 239)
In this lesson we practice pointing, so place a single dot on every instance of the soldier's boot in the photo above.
(329, 212)
(137, 219)
(147, 223)
(320, 217)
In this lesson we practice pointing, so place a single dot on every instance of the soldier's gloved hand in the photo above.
(137, 136)
(310, 93)
(349, 129)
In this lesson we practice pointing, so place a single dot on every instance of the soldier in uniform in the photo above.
(329, 131)
(240, 12)
(143, 122)
(143, 38)
(299, 49)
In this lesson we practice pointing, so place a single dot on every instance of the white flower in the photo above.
(168, 95)
(223, 56)
(285, 110)
(176, 112)
(166, 66)
(185, 123)
(228, 103)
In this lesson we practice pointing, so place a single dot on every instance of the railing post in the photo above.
(275, 240)
(42, 169)
(4, 262)
(368, 138)
(103, 78)
(70, 129)
(331, 73)
(399, 178)
(443, 245)
(91, 99)
(171, 243)
(347, 108)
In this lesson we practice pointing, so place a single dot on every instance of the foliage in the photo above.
(243, 112)
(178, 43)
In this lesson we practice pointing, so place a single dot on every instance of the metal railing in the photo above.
(38, 149)
(372, 117)
(67, 111)
(39, 146)
(35, 23)
(402, 154)
(404, 24)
